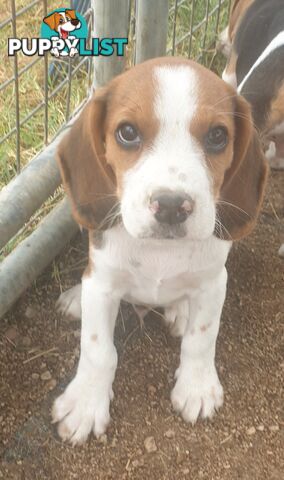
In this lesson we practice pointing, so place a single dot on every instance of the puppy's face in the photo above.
(170, 139)
(173, 134)
(63, 22)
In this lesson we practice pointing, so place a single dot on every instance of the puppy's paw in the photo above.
(81, 409)
(197, 395)
(69, 302)
(176, 317)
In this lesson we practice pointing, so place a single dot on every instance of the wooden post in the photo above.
(111, 19)
(151, 29)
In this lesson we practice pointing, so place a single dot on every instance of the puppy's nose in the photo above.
(75, 22)
(171, 207)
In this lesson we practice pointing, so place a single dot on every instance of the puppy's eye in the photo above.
(127, 136)
(61, 20)
(216, 139)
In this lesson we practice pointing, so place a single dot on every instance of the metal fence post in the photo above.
(111, 19)
(151, 29)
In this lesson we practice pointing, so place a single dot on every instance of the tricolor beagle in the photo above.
(256, 67)
(165, 170)
(63, 23)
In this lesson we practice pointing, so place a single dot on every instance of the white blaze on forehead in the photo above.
(175, 160)
(176, 99)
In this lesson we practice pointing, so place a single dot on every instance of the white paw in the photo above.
(176, 317)
(81, 409)
(69, 302)
(197, 395)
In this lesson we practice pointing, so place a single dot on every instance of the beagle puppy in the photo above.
(256, 68)
(63, 23)
(165, 170)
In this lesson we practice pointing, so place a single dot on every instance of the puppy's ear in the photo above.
(242, 191)
(87, 177)
(71, 13)
(51, 20)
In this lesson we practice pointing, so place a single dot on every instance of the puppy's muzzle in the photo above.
(75, 22)
(171, 208)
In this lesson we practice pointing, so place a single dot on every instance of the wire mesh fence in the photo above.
(37, 94)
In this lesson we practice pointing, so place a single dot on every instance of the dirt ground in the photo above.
(39, 352)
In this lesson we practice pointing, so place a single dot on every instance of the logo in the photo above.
(64, 33)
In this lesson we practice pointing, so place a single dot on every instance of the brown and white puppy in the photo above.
(165, 164)
(256, 68)
(63, 23)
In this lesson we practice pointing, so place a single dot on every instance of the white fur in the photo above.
(230, 78)
(186, 275)
(189, 279)
(175, 107)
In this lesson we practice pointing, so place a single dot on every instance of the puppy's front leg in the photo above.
(84, 406)
(197, 389)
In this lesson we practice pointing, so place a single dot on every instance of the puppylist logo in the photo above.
(64, 32)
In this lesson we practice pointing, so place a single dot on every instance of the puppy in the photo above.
(165, 170)
(256, 68)
(63, 23)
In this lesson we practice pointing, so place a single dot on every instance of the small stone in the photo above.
(103, 439)
(185, 471)
(12, 334)
(274, 428)
(152, 390)
(260, 428)
(181, 456)
(30, 312)
(26, 341)
(169, 434)
(35, 376)
(251, 431)
(46, 376)
(150, 445)
(114, 442)
(281, 251)
(52, 384)
(138, 462)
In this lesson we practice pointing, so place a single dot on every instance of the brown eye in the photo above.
(127, 136)
(216, 139)
(61, 20)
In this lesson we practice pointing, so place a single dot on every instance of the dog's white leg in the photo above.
(176, 316)
(197, 389)
(69, 302)
(84, 406)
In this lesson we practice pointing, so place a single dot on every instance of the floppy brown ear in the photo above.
(50, 20)
(87, 178)
(242, 191)
(71, 13)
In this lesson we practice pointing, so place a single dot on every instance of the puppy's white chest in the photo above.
(158, 272)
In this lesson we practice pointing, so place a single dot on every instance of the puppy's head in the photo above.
(168, 148)
(63, 22)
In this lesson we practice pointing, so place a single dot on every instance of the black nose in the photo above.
(171, 207)
(75, 22)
